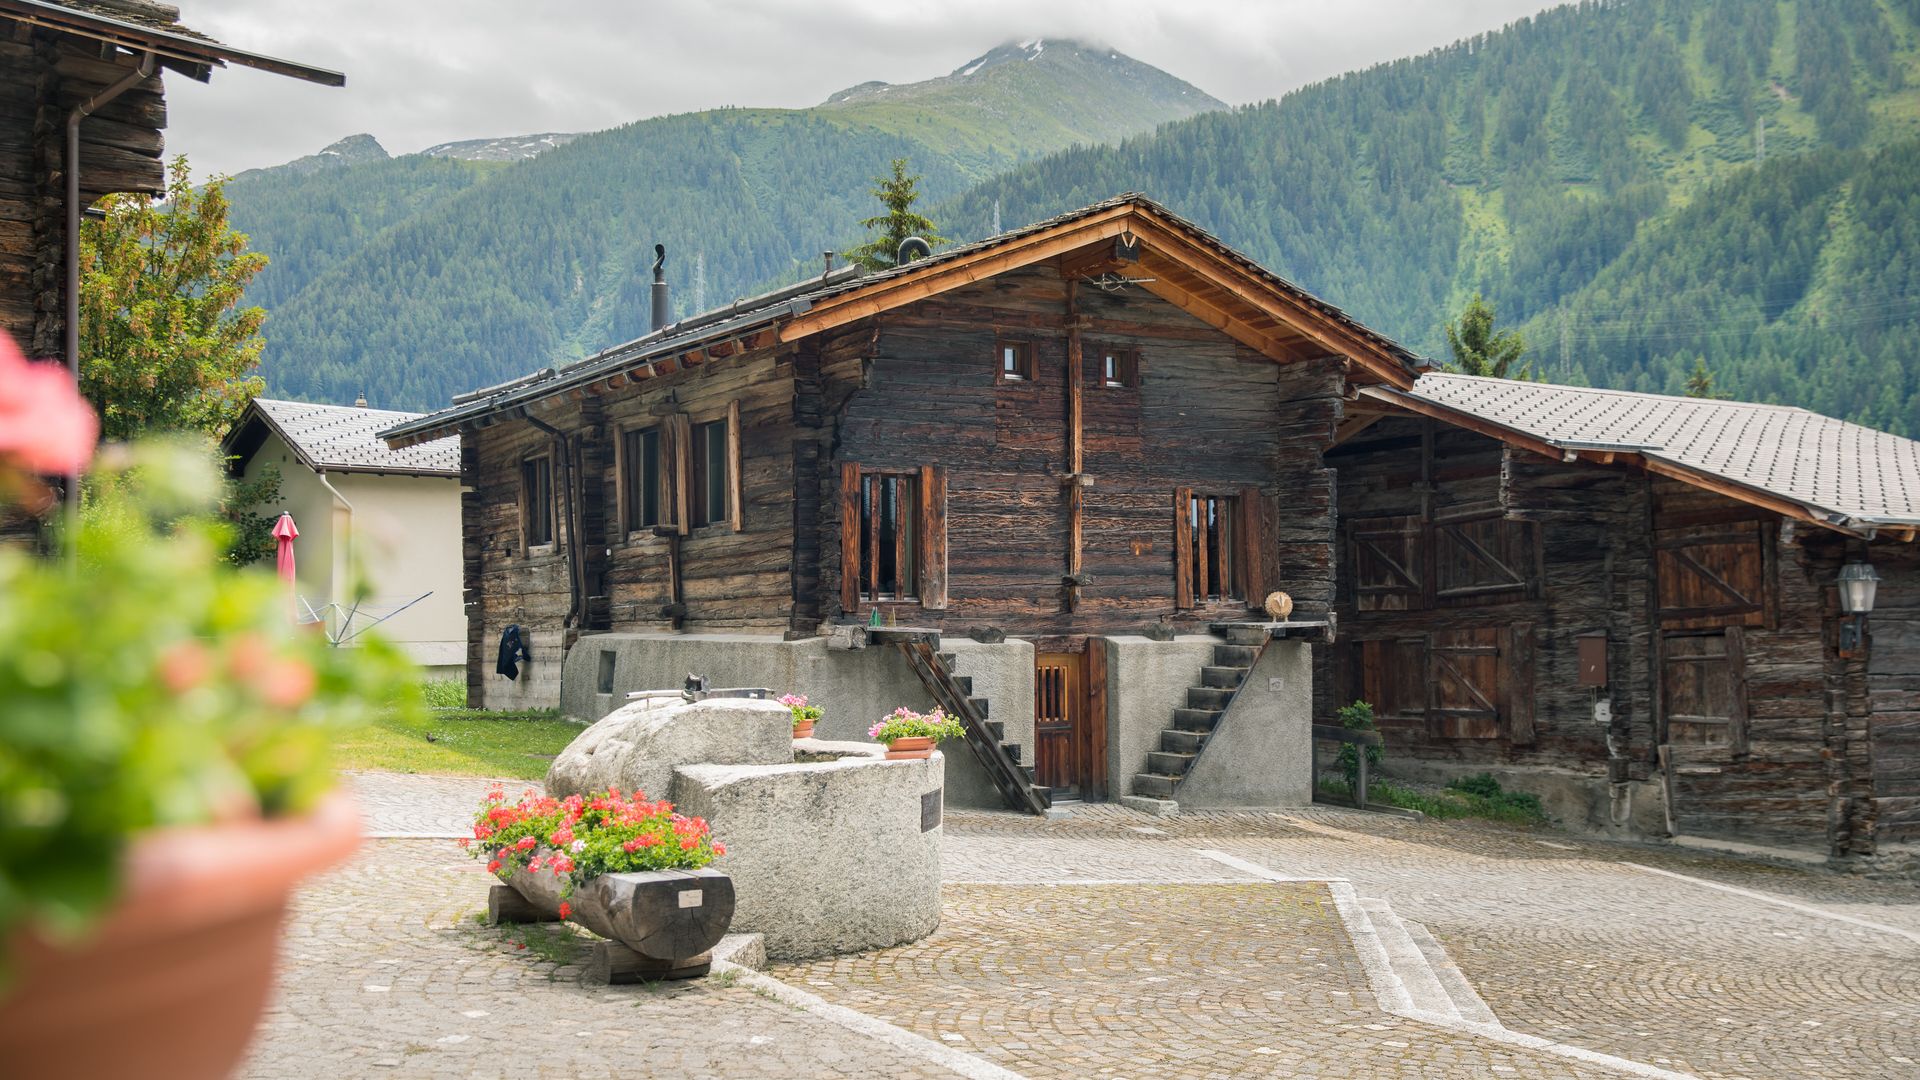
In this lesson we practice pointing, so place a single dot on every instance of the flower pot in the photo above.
(170, 983)
(916, 746)
(803, 730)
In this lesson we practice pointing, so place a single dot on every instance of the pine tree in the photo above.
(897, 193)
(1479, 349)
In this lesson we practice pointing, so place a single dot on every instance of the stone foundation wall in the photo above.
(1261, 754)
(853, 687)
(1146, 681)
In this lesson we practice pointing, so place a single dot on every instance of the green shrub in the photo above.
(444, 693)
(1357, 717)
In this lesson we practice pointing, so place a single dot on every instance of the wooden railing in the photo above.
(922, 651)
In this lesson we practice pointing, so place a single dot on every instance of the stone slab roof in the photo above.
(1844, 474)
(342, 438)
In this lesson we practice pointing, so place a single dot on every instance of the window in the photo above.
(642, 494)
(1119, 368)
(889, 556)
(1219, 550)
(536, 502)
(710, 473)
(1016, 361)
(893, 536)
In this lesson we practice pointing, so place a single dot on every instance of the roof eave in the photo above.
(137, 38)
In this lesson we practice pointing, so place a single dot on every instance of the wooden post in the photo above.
(506, 905)
(610, 963)
(1076, 447)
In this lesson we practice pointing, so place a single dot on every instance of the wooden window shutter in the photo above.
(849, 537)
(1703, 689)
(1487, 556)
(1182, 547)
(1387, 564)
(682, 438)
(1516, 662)
(1712, 575)
(736, 513)
(933, 538)
(1253, 546)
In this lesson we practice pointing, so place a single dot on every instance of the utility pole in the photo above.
(996, 217)
(700, 283)
(1760, 139)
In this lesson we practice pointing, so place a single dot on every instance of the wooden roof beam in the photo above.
(1308, 321)
(887, 295)
(1221, 319)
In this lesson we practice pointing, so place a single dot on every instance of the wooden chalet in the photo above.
(1631, 605)
(1108, 423)
(82, 107)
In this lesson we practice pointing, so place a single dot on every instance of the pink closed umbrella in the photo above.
(284, 531)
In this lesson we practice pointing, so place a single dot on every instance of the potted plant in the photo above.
(909, 734)
(804, 715)
(625, 868)
(163, 775)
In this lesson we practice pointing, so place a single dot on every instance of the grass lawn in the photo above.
(459, 742)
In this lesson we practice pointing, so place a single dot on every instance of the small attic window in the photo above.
(1015, 361)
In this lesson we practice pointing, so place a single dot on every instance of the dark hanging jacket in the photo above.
(513, 649)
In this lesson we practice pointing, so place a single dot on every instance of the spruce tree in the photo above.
(1479, 349)
(897, 193)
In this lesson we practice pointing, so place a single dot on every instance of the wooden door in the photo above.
(1061, 723)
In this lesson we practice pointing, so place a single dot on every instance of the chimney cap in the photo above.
(361, 401)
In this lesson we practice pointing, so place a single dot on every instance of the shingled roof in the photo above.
(1839, 474)
(342, 438)
(849, 292)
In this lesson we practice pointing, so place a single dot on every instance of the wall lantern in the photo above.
(1858, 583)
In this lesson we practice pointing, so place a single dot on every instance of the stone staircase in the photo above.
(997, 728)
(1194, 724)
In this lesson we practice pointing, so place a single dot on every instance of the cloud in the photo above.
(421, 72)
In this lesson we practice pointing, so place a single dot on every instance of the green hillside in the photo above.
(414, 278)
(1598, 172)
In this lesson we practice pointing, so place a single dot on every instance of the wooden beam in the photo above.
(1322, 328)
(1475, 424)
(1353, 425)
(1076, 447)
(1720, 485)
(1220, 319)
(895, 292)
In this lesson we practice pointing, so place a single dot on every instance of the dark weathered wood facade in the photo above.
(1472, 570)
(1041, 488)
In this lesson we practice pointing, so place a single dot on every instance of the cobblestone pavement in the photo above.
(387, 973)
(1575, 941)
(1107, 944)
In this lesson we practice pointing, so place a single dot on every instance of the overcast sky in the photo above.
(421, 72)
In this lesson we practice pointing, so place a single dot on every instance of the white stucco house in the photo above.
(390, 518)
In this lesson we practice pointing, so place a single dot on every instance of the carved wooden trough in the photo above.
(659, 924)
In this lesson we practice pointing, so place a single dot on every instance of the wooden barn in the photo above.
(1633, 605)
(1088, 436)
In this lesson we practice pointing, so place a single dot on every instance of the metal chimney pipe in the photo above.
(913, 247)
(659, 286)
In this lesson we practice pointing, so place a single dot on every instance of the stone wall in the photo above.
(1261, 753)
(854, 688)
(1146, 681)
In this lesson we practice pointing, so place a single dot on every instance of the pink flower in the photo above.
(719, 849)
(185, 665)
(287, 683)
(45, 425)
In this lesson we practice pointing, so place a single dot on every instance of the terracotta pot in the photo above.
(803, 729)
(916, 746)
(169, 985)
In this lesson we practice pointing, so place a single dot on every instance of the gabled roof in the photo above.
(144, 26)
(340, 438)
(1178, 261)
(1786, 459)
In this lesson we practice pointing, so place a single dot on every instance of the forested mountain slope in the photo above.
(414, 278)
(1641, 182)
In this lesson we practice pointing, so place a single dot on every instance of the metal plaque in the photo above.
(930, 810)
(690, 898)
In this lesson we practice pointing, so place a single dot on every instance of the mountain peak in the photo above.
(353, 150)
(1064, 61)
